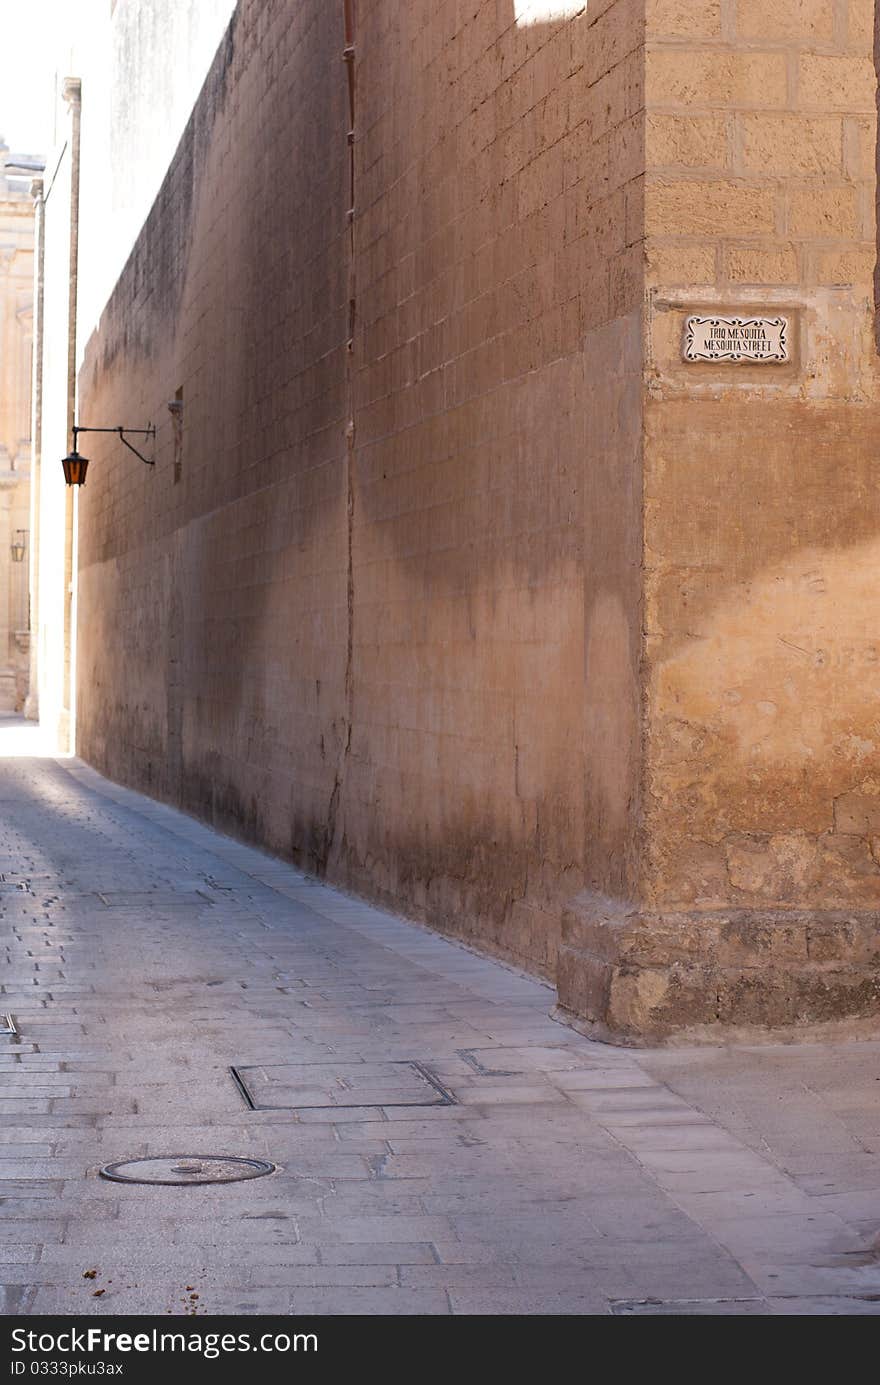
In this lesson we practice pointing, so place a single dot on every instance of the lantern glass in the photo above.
(75, 468)
(18, 546)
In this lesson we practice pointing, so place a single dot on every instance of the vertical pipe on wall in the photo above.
(348, 54)
(72, 93)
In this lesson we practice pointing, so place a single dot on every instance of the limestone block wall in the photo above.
(761, 139)
(498, 289)
(454, 582)
(378, 605)
(759, 873)
(212, 631)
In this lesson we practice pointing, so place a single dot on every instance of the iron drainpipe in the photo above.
(72, 93)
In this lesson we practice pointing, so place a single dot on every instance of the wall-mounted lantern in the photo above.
(18, 547)
(75, 466)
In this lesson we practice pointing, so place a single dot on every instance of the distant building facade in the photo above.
(16, 365)
(510, 551)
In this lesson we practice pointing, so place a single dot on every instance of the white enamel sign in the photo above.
(764, 339)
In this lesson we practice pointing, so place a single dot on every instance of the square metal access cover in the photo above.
(315, 1086)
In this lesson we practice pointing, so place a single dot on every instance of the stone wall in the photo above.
(345, 616)
(213, 588)
(453, 581)
(760, 869)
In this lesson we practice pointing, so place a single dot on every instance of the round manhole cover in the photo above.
(181, 1170)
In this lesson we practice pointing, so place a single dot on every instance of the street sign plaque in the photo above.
(764, 340)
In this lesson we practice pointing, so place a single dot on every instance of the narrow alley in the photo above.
(441, 1144)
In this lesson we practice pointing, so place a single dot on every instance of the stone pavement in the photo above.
(147, 955)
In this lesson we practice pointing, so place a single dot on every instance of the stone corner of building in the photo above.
(638, 977)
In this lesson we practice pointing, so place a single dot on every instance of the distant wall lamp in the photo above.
(18, 547)
(75, 466)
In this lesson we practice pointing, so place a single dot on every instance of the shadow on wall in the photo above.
(374, 662)
(351, 665)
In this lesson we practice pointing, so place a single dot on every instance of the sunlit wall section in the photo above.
(139, 68)
(142, 70)
(53, 656)
(544, 11)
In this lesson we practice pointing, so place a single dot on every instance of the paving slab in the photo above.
(146, 956)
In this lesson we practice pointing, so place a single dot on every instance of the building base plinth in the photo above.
(638, 977)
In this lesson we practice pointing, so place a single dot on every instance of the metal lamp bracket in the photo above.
(148, 432)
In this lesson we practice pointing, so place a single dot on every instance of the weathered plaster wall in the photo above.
(352, 612)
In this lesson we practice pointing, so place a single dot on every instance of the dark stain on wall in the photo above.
(354, 630)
